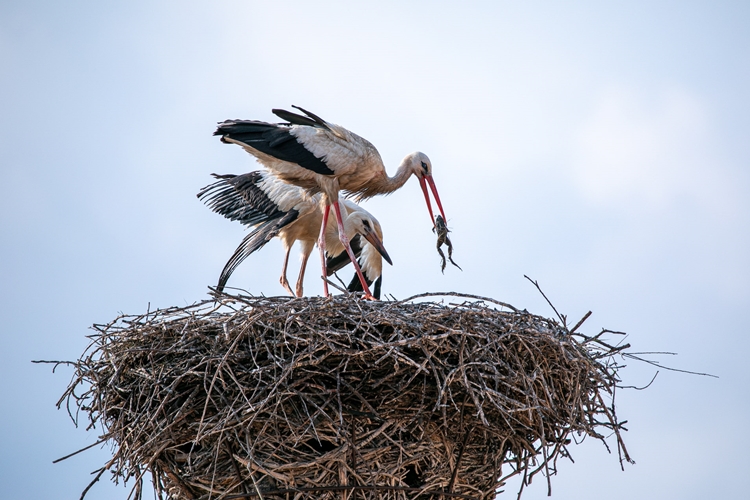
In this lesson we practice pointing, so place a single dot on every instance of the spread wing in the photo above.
(273, 139)
(253, 199)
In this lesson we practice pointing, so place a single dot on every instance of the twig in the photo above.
(640, 388)
(585, 317)
(79, 451)
(334, 285)
(562, 319)
(659, 365)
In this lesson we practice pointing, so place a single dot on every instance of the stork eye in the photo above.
(366, 224)
(424, 167)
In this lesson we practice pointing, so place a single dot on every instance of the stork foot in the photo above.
(286, 286)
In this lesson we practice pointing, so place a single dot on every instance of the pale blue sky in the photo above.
(601, 149)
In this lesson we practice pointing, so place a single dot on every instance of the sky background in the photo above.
(602, 150)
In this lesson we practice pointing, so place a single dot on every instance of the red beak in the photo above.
(427, 179)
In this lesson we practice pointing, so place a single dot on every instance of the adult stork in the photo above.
(278, 209)
(322, 157)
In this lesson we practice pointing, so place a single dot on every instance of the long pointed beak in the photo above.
(423, 181)
(375, 241)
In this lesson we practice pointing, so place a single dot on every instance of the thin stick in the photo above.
(657, 364)
(79, 451)
(545, 298)
(585, 317)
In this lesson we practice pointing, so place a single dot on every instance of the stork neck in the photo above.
(383, 184)
(390, 184)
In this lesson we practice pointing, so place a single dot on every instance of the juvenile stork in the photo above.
(278, 209)
(322, 157)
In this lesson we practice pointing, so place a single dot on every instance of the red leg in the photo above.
(345, 242)
(307, 248)
(284, 282)
(322, 246)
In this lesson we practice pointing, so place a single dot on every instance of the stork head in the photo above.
(366, 225)
(421, 166)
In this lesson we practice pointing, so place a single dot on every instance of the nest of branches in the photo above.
(241, 397)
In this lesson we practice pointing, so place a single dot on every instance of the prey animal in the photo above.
(442, 231)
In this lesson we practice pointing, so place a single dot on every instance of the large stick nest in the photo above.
(241, 396)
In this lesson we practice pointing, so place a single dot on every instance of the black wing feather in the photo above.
(254, 241)
(312, 120)
(239, 198)
(273, 139)
(356, 286)
(294, 118)
(376, 288)
(338, 262)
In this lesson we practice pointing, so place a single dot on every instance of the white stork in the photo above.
(322, 157)
(278, 209)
